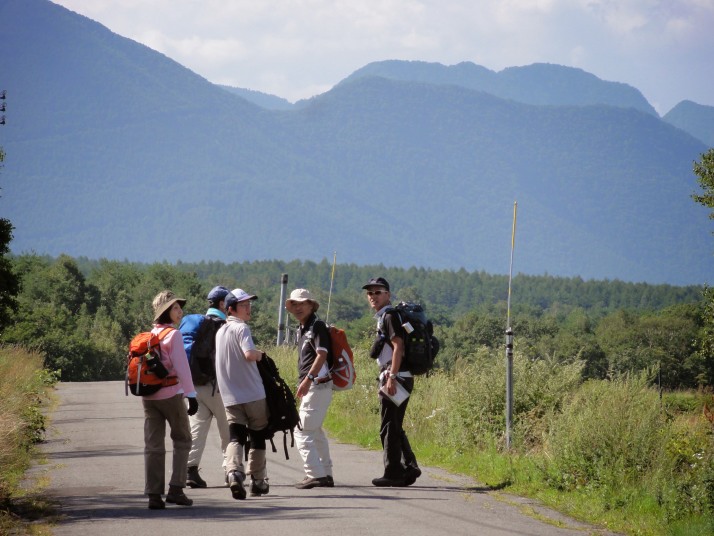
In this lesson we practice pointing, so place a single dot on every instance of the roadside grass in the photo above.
(610, 453)
(24, 385)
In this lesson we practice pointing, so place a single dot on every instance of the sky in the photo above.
(296, 49)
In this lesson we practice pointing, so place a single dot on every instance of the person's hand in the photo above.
(391, 386)
(192, 406)
(304, 387)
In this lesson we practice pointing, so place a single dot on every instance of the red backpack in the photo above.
(343, 362)
(145, 373)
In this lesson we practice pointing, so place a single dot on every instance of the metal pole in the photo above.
(509, 339)
(281, 309)
(332, 280)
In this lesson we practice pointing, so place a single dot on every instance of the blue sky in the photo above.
(299, 48)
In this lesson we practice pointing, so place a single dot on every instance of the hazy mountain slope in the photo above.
(116, 151)
(696, 119)
(264, 100)
(540, 83)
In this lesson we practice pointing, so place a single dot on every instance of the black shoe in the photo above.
(235, 482)
(156, 502)
(259, 487)
(193, 479)
(330, 481)
(312, 482)
(179, 498)
(384, 482)
(412, 473)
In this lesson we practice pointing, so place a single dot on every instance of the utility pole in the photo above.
(281, 309)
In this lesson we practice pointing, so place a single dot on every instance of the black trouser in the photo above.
(397, 451)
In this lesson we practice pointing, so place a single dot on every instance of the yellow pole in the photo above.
(332, 280)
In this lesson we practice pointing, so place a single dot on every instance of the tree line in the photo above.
(81, 313)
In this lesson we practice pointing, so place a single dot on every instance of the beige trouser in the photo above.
(156, 414)
(312, 441)
(253, 416)
(210, 405)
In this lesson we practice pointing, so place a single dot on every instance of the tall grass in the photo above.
(22, 384)
(609, 452)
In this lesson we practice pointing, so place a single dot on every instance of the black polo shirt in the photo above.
(312, 336)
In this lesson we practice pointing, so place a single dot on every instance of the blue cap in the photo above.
(217, 294)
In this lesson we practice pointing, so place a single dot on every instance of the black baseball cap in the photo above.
(377, 282)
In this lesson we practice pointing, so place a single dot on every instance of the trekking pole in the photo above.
(332, 280)
(509, 339)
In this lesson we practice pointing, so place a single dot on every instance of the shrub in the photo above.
(608, 434)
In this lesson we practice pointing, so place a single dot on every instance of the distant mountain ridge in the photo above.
(694, 118)
(116, 151)
(539, 84)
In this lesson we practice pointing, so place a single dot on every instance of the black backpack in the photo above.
(199, 341)
(283, 414)
(420, 345)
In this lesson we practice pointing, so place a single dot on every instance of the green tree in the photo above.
(705, 176)
(9, 281)
(704, 170)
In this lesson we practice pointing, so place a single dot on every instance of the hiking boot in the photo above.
(156, 502)
(259, 487)
(412, 473)
(311, 482)
(330, 481)
(179, 498)
(193, 479)
(384, 482)
(235, 482)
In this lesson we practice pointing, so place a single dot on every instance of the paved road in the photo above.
(95, 452)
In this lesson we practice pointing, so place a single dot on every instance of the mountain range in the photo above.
(116, 151)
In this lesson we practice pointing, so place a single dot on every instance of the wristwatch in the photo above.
(392, 376)
(312, 378)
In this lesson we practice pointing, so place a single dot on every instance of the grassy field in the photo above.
(24, 385)
(610, 453)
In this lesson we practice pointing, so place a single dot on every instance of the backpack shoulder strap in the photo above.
(164, 332)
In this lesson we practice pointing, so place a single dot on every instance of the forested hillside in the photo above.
(81, 313)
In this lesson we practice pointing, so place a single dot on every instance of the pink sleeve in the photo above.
(173, 344)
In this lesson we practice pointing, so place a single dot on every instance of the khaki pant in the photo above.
(156, 414)
(210, 405)
(312, 441)
(253, 416)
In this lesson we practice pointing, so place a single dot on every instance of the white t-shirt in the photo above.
(238, 379)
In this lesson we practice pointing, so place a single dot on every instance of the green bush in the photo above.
(609, 433)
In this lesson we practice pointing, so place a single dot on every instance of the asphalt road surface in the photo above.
(94, 450)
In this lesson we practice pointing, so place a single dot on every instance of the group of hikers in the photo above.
(228, 389)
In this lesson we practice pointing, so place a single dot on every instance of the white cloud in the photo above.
(294, 48)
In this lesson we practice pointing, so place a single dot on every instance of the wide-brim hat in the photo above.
(163, 301)
(300, 295)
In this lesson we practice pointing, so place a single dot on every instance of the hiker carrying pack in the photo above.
(420, 344)
(283, 414)
(145, 373)
(340, 359)
(199, 341)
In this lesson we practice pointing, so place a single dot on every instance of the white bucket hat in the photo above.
(300, 295)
